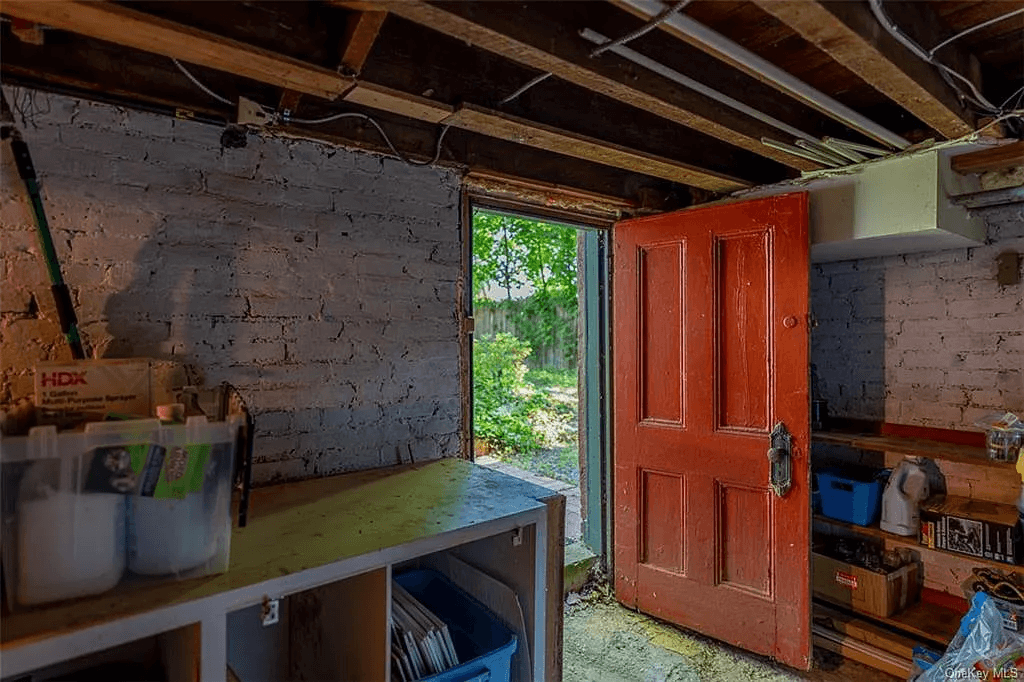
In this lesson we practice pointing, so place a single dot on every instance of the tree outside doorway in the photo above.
(525, 350)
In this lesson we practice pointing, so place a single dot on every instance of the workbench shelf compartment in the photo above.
(169, 656)
(325, 550)
(331, 632)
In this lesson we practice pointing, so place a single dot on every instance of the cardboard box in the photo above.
(83, 386)
(876, 594)
(977, 528)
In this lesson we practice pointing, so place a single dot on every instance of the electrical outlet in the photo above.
(271, 611)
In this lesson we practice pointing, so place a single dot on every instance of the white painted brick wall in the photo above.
(925, 339)
(319, 281)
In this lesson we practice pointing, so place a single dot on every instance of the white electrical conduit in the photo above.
(673, 75)
(824, 151)
(856, 157)
(808, 154)
(785, 81)
(855, 146)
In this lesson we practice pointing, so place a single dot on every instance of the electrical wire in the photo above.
(384, 135)
(529, 84)
(974, 28)
(275, 117)
(659, 19)
(656, 21)
(975, 97)
(199, 85)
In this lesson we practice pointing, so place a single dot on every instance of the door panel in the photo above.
(710, 352)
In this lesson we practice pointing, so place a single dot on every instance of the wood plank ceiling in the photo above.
(676, 115)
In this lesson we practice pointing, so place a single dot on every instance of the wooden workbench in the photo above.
(351, 528)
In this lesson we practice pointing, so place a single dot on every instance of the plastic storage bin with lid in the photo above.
(80, 510)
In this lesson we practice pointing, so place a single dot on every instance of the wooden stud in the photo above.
(994, 159)
(685, 108)
(848, 33)
(398, 102)
(360, 34)
(131, 28)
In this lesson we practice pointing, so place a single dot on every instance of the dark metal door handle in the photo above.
(780, 460)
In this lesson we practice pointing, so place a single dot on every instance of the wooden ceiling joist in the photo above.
(360, 34)
(850, 34)
(130, 28)
(673, 103)
(512, 129)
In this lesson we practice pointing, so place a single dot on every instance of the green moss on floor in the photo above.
(605, 642)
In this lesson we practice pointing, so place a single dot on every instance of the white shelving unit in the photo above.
(325, 548)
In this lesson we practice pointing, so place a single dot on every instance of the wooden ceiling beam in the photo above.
(130, 28)
(360, 34)
(850, 34)
(524, 42)
(995, 159)
(513, 129)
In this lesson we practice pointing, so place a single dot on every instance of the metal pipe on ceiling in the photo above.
(684, 80)
(784, 80)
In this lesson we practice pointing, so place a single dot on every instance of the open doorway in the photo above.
(539, 297)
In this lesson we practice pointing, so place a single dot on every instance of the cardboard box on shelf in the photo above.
(83, 386)
(877, 594)
(965, 525)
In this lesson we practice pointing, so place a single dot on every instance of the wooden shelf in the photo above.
(917, 447)
(876, 532)
(933, 623)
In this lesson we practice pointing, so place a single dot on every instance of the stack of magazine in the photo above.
(420, 643)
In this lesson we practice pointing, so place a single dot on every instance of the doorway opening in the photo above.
(539, 348)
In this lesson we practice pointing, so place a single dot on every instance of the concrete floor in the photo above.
(606, 642)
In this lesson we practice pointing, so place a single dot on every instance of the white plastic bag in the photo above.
(981, 649)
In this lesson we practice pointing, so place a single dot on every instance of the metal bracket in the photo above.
(780, 460)
(271, 611)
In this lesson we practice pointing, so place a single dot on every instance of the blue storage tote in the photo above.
(483, 643)
(851, 494)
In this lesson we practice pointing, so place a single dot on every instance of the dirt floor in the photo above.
(605, 642)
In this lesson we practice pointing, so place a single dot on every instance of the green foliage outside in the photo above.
(503, 401)
(514, 408)
(510, 253)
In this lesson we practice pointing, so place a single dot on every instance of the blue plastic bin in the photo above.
(851, 495)
(483, 643)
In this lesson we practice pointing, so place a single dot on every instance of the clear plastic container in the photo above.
(81, 509)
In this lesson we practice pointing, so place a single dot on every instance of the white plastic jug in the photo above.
(907, 487)
(69, 545)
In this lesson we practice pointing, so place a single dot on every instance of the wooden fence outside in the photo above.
(492, 320)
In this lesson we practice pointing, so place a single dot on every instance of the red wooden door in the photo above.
(710, 353)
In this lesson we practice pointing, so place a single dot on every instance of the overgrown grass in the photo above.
(552, 378)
